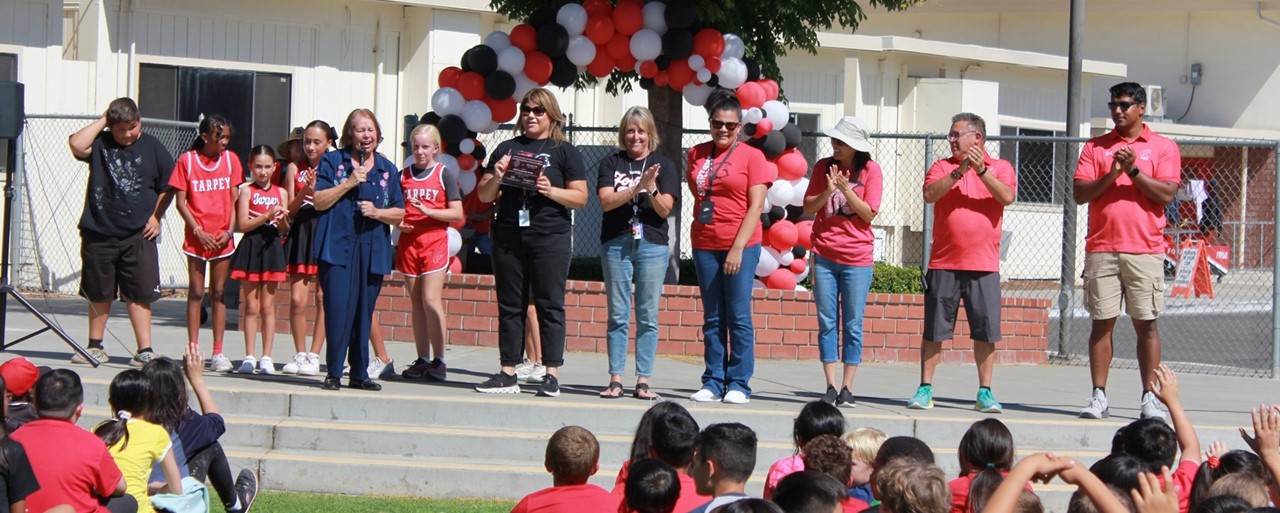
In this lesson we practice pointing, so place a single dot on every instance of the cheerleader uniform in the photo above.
(209, 184)
(425, 249)
(299, 244)
(260, 256)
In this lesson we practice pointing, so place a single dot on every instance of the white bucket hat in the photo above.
(852, 132)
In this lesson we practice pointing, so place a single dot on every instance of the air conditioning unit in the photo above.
(1155, 101)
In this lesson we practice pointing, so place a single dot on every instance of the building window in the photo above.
(256, 103)
(8, 66)
(807, 123)
(1036, 162)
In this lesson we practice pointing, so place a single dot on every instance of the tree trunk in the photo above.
(668, 113)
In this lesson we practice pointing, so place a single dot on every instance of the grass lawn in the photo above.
(286, 502)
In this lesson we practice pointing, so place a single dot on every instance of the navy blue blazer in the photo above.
(341, 227)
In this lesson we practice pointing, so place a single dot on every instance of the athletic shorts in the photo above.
(192, 247)
(420, 254)
(126, 268)
(1137, 278)
(980, 292)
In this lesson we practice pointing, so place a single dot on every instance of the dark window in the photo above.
(1036, 163)
(8, 66)
(257, 104)
(808, 123)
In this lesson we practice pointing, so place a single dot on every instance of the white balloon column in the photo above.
(656, 40)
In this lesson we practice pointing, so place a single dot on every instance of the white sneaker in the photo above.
(1096, 407)
(310, 365)
(377, 368)
(248, 365)
(530, 372)
(220, 363)
(266, 366)
(1152, 408)
(703, 396)
(736, 397)
(294, 364)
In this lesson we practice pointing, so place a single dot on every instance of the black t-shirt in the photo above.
(563, 164)
(621, 172)
(124, 184)
(19, 479)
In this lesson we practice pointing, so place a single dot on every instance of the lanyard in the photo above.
(716, 169)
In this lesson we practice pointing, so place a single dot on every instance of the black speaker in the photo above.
(12, 110)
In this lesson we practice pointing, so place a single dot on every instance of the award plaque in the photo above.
(523, 172)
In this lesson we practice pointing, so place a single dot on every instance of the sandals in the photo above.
(642, 392)
(614, 391)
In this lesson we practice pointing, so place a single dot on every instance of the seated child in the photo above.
(573, 456)
(722, 464)
(1152, 440)
(652, 487)
(816, 418)
(808, 491)
(864, 443)
(906, 487)
(20, 377)
(829, 455)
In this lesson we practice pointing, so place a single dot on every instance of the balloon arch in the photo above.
(665, 45)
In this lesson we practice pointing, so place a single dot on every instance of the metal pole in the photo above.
(928, 208)
(1075, 110)
(1275, 272)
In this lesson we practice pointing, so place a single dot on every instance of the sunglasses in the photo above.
(727, 125)
(1122, 105)
(536, 111)
(953, 136)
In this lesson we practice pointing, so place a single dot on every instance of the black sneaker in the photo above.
(416, 371)
(246, 489)
(550, 386)
(830, 396)
(846, 398)
(500, 383)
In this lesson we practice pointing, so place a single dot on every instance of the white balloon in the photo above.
(800, 288)
(476, 115)
(778, 113)
(466, 181)
(449, 162)
(511, 60)
(524, 84)
(757, 284)
(767, 265)
(785, 258)
(646, 44)
(733, 48)
(696, 62)
(752, 115)
(696, 94)
(704, 75)
(773, 253)
(467, 145)
(733, 73)
(491, 128)
(581, 50)
(455, 241)
(768, 205)
(498, 40)
(408, 161)
(780, 193)
(798, 188)
(573, 17)
(447, 100)
(655, 17)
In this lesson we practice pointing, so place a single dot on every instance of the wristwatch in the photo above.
(955, 175)
(1133, 173)
(983, 172)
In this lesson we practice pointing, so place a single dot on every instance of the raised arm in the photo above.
(1165, 388)
(81, 142)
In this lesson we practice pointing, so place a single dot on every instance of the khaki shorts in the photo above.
(1139, 279)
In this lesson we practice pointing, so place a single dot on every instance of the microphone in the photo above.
(360, 155)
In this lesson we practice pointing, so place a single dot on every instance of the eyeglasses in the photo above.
(953, 136)
(1122, 105)
(538, 111)
(727, 125)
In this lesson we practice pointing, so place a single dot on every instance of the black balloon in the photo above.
(471, 134)
(452, 129)
(756, 142)
(680, 14)
(777, 213)
(553, 40)
(563, 71)
(542, 16)
(483, 59)
(766, 221)
(677, 44)
(430, 118)
(715, 80)
(453, 149)
(749, 129)
(479, 153)
(774, 145)
(753, 69)
(499, 85)
(663, 62)
(466, 60)
(794, 212)
(646, 83)
(799, 251)
(792, 134)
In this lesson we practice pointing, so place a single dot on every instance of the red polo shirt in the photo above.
(967, 220)
(1123, 219)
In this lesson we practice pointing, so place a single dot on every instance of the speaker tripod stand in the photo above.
(6, 286)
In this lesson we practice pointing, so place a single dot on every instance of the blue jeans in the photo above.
(843, 289)
(728, 334)
(626, 260)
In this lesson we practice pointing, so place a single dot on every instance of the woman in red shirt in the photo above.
(844, 192)
(728, 181)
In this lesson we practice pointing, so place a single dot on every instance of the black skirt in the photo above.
(298, 245)
(259, 256)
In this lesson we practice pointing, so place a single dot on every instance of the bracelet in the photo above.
(982, 173)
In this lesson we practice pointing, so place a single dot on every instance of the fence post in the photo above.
(1275, 271)
(928, 207)
(1075, 111)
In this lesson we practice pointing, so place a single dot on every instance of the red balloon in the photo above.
(798, 265)
(713, 64)
(599, 29)
(598, 8)
(466, 162)
(791, 164)
(628, 17)
(708, 43)
(619, 46)
(763, 128)
(524, 37)
(502, 110)
(783, 235)
(602, 65)
(648, 69)
(471, 85)
(626, 62)
(455, 265)
(537, 66)
(804, 234)
(782, 279)
(449, 76)
(771, 88)
(661, 79)
(751, 94)
(680, 74)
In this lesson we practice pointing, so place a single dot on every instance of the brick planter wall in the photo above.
(786, 322)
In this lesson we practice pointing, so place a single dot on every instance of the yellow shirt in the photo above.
(147, 444)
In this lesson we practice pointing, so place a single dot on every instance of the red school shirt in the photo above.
(479, 214)
(432, 190)
(71, 464)
(839, 235)
(688, 500)
(967, 220)
(262, 200)
(1123, 219)
(742, 169)
(209, 184)
(583, 498)
(305, 169)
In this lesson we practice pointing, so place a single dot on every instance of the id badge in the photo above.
(706, 211)
(637, 230)
(524, 218)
